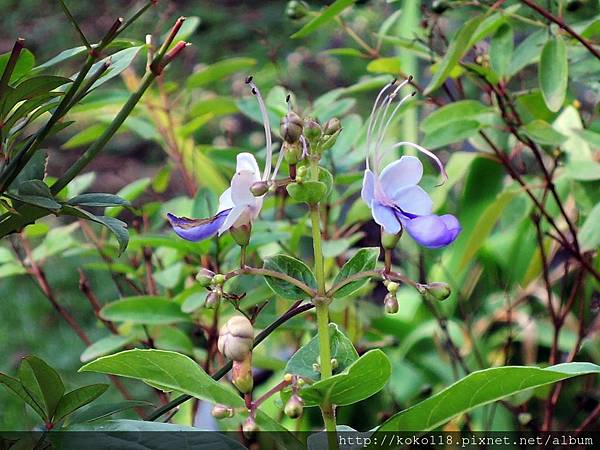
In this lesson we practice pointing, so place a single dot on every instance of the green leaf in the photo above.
(130, 193)
(310, 192)
(589, 233)
(363, 260)
(104, 410)
(22, 67)
(42, 383)
(295, 269)
(169, 369)
(119, 61)
(583, 170)
(365, 377)
(301, 362)
(553, 73)
(116, 226)
(219, 70)
(144, 310)
(104, 346)
(193, 302)
(527, 52)
(543, 133)
(591, 137)
(328, 14)
(569, 123)
(480, 388)
(15, 385)
(448, 115)
(99, 200)
(30, 88)
(217, 106)
(86, 136)
(457, 131)
(74, 400)
(458, 47)
(385, 65)
(501, 49)
(37, 193)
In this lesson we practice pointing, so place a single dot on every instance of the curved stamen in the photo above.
(278, 164)
(304, 146)
(422, 150)
(266, 124)
(371, 118)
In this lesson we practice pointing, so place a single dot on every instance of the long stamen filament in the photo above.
(372, 117)
(421, 149)
(267, 125)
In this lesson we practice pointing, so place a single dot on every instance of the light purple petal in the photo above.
(385, 216)
(414, 201)
(197, 229)
(368, 187)
(433, 231)
(407, 171)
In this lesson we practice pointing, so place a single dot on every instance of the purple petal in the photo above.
(197, 229)
(368, 187)
(407, 171)
(433, 231)
(386, 217)
(413, 201)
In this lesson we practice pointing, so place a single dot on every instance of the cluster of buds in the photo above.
(437, 290)
(294, 407)
(317, 366)
(291, 128)
(214, 282)
(321, 138)
(390, 303)
(236, 339)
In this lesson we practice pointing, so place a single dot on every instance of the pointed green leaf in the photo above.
(104, 346)
(328, 14)
(363, 260)
(77, 398)
(295, 269)
(98, 200)
(589, 233)
(144, 310)
(42, 383)
(219, 70)
(553, 73)
(15, 385)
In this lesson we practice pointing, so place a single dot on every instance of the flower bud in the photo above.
(221, 412)
(302, 171)
(330, 140)
(249, 427)
(312, 130)
(259, 188)
(236, 338)
(241, 234)
(391, 286)
(241, 374)
(332, 126)
(391, 304)
(212, 299)
(439, 291)
(389, 241)
(204, 277)
(290, 127)
(297, 10)
(294, 407)
(292, 152)
(334, 363)
(218, 279)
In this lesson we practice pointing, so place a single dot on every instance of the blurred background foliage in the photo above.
(177, 150)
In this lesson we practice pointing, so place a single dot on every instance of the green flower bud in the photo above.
(204, 277)
(302, 171)
(292, 152)
(236, 338)
(334, 363)
(391, 286)
(524, 418)
(329, 141)
(297, 10)
(391, 304)
(389, 241)
(290, 127)
(241, 235)
(249, 427)
(259, 188)
(212, 299)
(218, 279)
(241, 374)
(294, 407)
(439, 291)
(312, 130)
(332, 126)
(221, 412)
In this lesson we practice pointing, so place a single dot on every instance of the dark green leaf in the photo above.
(32, 87)
(363, 260)
(22, 67)
(104, 410)
(501, 49)
(328, 14)
(553, 73)
(454, 113)
(169, 369)
(144, 310)
(301, 362)
(74, 400)
(37, 193)
(456, 131)
(42, 383)
(295, 269)
(15, 386)
(98, 200)
(480, 388)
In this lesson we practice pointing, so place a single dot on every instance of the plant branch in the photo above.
(75, 25)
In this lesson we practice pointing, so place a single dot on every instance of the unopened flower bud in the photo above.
(221, 412)
(391, 286)
(329, 140)
(290, 127)
(524, 418)
(391, 304)
(241, 234)
(288, 377)
(296, 10)
(236, 338)
(204, 277)
(438, 290)
(259, 188)
(218, 279)
(241, 374)
(249, 427)
(212, 299)
(292, 152)
(332, 126)
(334, 363)
(312, 129)
(389, 241)
(294, 407)
(302, 171)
